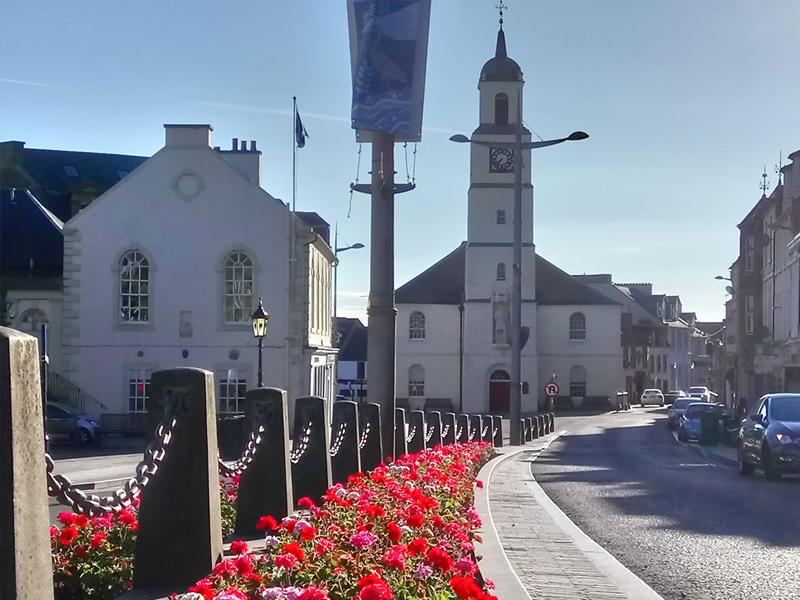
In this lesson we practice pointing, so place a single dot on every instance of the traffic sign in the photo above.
(551, 389)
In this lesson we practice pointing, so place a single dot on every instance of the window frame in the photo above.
(416, 381)
(501, 272)
(573, 383)
(122, 278)
(238, 383)
(417, 331)
(576, 332)
(227, 264)
(500, 216)
(499, 99)
(143, 377)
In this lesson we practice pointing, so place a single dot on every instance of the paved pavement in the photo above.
(677, 515)
(550, 557)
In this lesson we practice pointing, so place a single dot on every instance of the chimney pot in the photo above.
(235, 144)
(252, 146)
(244, 145)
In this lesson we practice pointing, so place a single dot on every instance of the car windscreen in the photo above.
(695, 410)
(785, 408)
(682, 403)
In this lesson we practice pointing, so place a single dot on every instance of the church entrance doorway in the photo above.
(499, 392)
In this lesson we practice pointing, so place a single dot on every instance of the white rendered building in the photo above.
(165, 268)
(453, 338)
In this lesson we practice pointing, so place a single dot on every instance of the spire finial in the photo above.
(764, 185)
(779, 168)
(501, 7)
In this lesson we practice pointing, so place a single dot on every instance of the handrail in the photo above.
(63, 390)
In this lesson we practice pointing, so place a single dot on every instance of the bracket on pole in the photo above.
(366, 188)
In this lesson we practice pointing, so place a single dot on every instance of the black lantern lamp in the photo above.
(260, 320)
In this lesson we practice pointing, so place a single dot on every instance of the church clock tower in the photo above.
(489, 253)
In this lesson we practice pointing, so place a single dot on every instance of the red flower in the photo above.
(239, 547)
(81, 520)
(204, 587)
(308, 533)
(267, 523)
(440, 559)
(479, 483)
(306, 502)
(467, 588)
(81, 551)
(395, 557)
(418, 546)
(67, 518)
(373, 511)
(313, 593)
(376, 591)
(415, 520)
(286, 561)
(98, 539)
(395, 533)
(244, 564)
(127, 517)
(324, 546)
(295, 550)
(370, 579)
(68, 535)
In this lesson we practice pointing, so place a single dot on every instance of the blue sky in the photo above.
(685, 102)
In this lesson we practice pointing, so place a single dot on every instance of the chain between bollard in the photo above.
(446, 430)
(484, 432)
(459, 432)
(428, 433)
(300, 446)
(339, 440)
(364, 437)
(241, 464)
(411, 434)
(62, 489)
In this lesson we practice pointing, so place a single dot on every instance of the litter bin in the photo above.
(709, 429)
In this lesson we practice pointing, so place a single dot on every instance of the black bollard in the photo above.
(449, 428)
(400, 443)
(345, 435)
(416, 435)
(311, 464)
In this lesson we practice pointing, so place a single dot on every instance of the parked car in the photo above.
(64, 422)
(770, 437)
(652, 396)
(689, 422)
(702, 392)
(670, 397)
(675, 411)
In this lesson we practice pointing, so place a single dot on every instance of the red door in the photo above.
(499, 396)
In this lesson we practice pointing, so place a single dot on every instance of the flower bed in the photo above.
(93, 557)
(403, 531)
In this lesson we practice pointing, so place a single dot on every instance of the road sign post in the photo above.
(551, 390)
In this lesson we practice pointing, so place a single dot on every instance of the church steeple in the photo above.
(501, 67)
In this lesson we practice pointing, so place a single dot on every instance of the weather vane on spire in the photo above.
(501, 7)
(764, 185)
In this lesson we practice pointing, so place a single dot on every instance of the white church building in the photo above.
(166, 267)
(453, 338)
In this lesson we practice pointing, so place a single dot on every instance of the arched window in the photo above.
(577, 381)
(501, 109)
(500, 375)
(32, 320)
(501, 271)
(416, 326)
(134, 287)
(577, 327)
(238, 287)
(416, 381)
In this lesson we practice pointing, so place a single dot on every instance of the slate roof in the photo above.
(26, 234)
(352, 340)
(443, 283)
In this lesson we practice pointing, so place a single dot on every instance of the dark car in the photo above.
(676, 410)
(670, 397)
(64, 422)
(770, 437)
(689, 422)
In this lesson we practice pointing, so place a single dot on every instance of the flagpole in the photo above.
(294, 153)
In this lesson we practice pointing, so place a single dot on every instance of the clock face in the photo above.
(501, 160)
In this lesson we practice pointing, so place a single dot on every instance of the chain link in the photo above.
(62, 489)
(300, 446)
(411, 434)
(485, 431)
(446, 430)
(428, 433)
(459, 432)
(472, 433)
(339, 440)
(241, 464)
(364, 436)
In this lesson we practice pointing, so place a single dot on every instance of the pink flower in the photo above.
(363, 539)
(465, 566)
(313, 593)
(286, 561)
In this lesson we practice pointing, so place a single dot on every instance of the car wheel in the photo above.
(84, 437)
(770, 472)
(744, 467)
(641, 404)
(661, 404)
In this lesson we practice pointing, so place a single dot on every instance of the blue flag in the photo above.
(300, 133)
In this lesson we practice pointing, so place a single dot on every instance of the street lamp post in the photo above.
(260, 320)
(516, 290)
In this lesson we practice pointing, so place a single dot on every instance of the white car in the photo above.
(701, 392)
(652, 396)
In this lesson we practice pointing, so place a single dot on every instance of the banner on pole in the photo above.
(388, 55)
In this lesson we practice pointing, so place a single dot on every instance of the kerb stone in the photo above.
(180, 528)
(265, 488)
(26, 571)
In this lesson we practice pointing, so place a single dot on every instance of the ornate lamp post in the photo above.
(260, 320)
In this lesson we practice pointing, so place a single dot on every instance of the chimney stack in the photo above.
(235, 145)
(253, 146)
